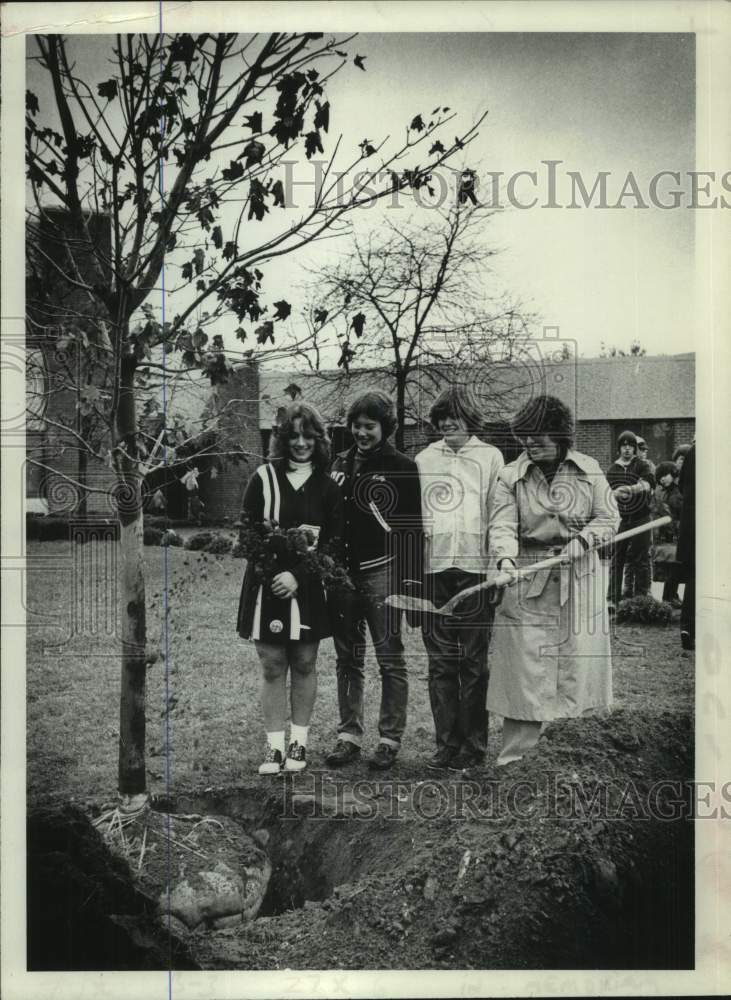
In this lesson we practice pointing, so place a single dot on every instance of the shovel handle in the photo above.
(504, 579)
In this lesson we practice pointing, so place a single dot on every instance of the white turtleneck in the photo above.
(298, 473)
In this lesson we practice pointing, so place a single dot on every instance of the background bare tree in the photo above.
(635, 350)
(415, 301)
(178, 156)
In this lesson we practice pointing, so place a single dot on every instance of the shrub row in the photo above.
(155, 536)
(157, 531)
(50, 528)
(645, 610)
(210, 541)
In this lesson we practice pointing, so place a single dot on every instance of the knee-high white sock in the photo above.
(276, 741)
(298, 734)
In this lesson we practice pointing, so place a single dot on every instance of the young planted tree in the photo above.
(413, 302)
(183, 150)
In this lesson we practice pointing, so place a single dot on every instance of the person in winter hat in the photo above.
(632, 481)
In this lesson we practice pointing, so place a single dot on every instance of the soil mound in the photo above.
(580, 856)
(84, 911)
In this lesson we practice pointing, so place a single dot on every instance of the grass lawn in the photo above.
(204, 724)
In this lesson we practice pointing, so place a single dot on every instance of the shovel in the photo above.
(408, 603)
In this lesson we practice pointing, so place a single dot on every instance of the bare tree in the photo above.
(179, 156)
(414, 302)
(635, 350)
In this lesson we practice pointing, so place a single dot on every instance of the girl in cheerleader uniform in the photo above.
(286, 616)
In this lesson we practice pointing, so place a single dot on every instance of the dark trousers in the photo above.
(687, 612)
(350, 612)
(631, 561)
(670, 587)
(458, 672)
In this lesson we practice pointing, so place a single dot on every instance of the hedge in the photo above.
(55, 528)
(644, 610)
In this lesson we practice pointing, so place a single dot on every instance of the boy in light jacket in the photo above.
(458, 475)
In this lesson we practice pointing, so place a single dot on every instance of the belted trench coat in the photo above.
(550, 654)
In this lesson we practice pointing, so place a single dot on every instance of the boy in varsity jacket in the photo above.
(383, 543)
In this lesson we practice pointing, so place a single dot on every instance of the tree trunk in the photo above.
(84, 429)
(132, 778)
(400, 411)
(82, 507)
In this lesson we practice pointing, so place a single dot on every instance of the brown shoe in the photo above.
(466, 762)
(344, 753)
(441, 760)
(383, 758)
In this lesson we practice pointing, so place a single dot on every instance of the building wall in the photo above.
(56, 450)
(221, 490)
(52, 303)
(223, 493)
(684, 432)
(594, 438)
(598, 437)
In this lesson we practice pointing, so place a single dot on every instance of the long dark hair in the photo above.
(312, 425)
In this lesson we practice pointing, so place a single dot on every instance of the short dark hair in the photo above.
(375, 405)
(457, 402)
(627, 437)
(312, 424)
(664, 469)
(641, 443)
(545, 415)
(681, 451)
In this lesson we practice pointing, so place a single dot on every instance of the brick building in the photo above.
(229, 425)
(653, 396)
(58, 370)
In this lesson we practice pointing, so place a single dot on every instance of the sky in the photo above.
(613, 103)
(594, 102)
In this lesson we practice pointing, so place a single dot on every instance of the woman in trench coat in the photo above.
(550, 656)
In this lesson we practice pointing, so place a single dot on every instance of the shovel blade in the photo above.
(407, 603)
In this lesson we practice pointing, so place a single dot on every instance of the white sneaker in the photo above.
(296, 758)
(272, 763)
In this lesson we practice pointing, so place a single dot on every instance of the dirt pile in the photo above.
(566, 860)
(579, 856)
(84, 911)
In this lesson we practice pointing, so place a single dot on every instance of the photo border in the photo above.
(711, 22)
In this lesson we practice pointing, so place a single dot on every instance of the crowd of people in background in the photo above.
(647, 492)
(456, 519)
